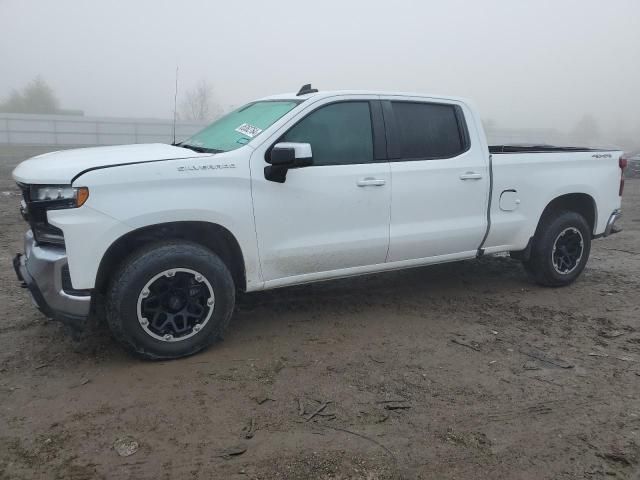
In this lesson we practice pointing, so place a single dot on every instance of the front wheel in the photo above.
(170, 300)
(560, 249)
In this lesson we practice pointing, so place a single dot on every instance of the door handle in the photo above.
(371, 182)
(470, 176)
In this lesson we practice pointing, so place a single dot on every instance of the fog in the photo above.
(535, 64)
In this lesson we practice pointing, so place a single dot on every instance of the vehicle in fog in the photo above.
(292, 189)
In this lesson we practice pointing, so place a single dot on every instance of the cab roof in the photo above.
(337, 93)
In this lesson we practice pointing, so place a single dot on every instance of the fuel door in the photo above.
(509, 200)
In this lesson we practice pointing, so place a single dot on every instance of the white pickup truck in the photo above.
(292, 189)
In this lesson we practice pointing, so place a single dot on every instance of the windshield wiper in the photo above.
(197, 149)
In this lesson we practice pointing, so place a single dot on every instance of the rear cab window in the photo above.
(425, 130)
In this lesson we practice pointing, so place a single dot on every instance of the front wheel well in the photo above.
(210, 235)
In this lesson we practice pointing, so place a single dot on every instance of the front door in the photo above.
(333, 215)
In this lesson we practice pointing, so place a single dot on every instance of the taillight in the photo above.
(622, 163)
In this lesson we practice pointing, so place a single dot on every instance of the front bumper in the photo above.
(41, 269)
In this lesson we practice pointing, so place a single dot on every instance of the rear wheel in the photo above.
(560, 249)
(170, 300)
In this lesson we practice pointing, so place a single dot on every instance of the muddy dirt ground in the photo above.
(464, 370)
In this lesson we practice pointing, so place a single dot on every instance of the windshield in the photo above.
(239, 127)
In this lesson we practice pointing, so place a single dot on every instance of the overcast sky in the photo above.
(530, 63)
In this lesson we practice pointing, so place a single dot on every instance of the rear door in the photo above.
(440, 177)
(334, 214)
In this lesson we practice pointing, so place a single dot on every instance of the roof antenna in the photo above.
(306, 89)
(175, 108)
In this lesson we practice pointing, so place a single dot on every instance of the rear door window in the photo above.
(427, 131)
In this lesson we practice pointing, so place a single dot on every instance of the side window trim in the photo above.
(378, 131)
(463, 130)
(393, 143)
(393, 147)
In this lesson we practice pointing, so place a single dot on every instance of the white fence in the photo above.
(64, 130)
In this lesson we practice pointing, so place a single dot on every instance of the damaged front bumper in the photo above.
(44, 271)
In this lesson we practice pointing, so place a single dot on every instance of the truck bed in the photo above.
(535, 175)
(541, 149)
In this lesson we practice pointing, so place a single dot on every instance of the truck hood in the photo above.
(62, 166)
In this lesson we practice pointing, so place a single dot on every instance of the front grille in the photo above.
(24, 189)
(35, 213)
(66, 284)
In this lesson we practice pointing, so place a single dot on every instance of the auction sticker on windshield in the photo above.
(248, 130)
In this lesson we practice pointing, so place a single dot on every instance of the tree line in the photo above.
(197, 104)
(35, 97)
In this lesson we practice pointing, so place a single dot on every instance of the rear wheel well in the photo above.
(580, 203)
(210, 235)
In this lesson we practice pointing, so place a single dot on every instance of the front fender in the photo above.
(129, 197)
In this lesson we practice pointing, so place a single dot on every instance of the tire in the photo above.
(170, 300)
(557, 268)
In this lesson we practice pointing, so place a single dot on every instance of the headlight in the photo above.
(60, 196)
(52, 192)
